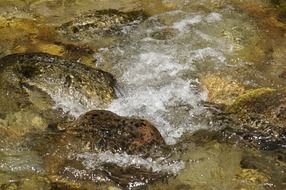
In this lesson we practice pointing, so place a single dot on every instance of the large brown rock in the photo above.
(103, 130)
(95, 133)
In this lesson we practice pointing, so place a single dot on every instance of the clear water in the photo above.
(160, 80)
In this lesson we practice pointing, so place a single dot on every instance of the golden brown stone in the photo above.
(222, 91)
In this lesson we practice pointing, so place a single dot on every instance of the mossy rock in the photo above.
(103, 22)
(248, 99)
(265, 102)
(58, 77)
(255, 119)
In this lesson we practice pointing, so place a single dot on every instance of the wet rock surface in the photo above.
(99, 23)
(255, 119)
(103, 130)
(95, 132)
(261, 114)
(57, 77)
(220, 90)
(25, 183)
(229, 45)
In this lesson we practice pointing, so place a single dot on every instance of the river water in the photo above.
(160, 67)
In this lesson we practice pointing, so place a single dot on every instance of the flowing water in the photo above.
(160, 67)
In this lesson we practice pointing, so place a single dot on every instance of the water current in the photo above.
(159, 67)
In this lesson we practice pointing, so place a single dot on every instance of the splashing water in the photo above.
(153, 88)
(158, 78)
(159, 66)
(92, 161)
(159, 81)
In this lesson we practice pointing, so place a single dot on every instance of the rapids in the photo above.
(160, 66)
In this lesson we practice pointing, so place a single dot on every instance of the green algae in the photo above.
(245, 100)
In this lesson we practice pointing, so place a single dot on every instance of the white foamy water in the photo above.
(158, 78)
(153, 88)
(190, 20)
(207, 53)
(92, 161)
(157, 81)
(74, 105)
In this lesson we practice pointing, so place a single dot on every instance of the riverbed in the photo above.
(182, 68)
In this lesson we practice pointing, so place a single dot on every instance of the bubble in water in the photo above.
(92, 161)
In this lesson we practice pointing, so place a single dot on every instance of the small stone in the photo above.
(37, 121)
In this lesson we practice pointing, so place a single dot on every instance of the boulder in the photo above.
(60, 78)
(73, 149)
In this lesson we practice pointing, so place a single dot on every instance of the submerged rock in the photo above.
(255, 119)
(164, 34)
(75, 52)
(213, 165)
(61, 79)
(28, 35)
(101, 23)
(266, 103)
(221, 91)
(24, 182)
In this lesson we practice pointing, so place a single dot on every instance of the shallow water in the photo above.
(160, 67)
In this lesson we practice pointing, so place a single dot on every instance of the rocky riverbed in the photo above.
(157, 95)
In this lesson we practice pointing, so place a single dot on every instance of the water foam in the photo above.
(213, 17)
(157, 78)
(92, 161)
(207, 53)
(158, 81)
(154, 83)
(190, 20)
